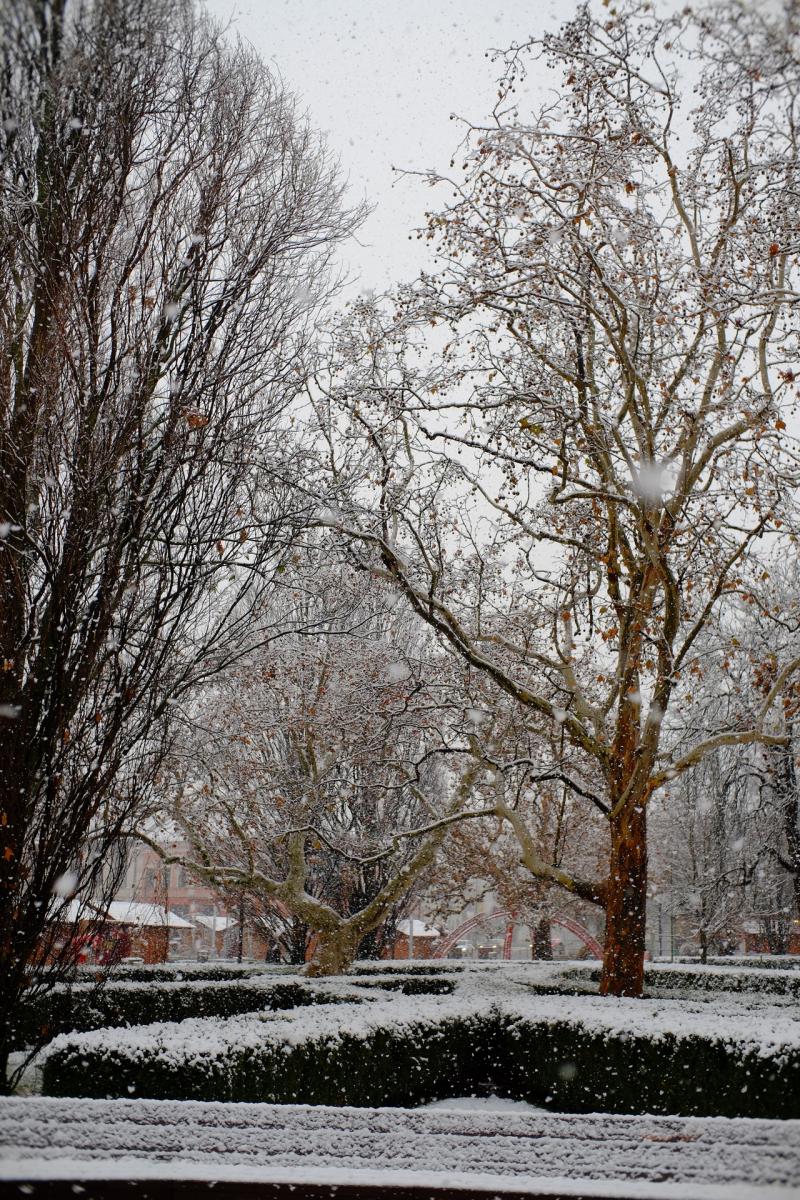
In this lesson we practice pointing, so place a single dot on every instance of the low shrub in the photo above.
(574, 1069)
(141, 995)
(405, 967)
(178, 972)
(770, 962)
(409, 983)
(700, 979)
(537, 1050)
(386, 1067)
(86, 1006)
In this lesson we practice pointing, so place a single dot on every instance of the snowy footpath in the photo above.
(102, 1148)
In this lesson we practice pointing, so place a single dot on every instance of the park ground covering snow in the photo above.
(766, 1024)
(686, 1158)
(454, 1142)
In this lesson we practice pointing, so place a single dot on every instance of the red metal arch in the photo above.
(505, 914)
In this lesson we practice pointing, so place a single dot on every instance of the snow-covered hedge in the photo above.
(176, 972)
(680, 977)
(402, 966)
(771, 962)
(713, 978)
(87, 1006)
(76, 1149)
(715, 1056)
(410, 983)
(125, 1002)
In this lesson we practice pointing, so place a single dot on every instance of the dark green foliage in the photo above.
(560, 1065)
(122, 1004)
(126, 999)
(569, 1068)
(767, 962)
(425, 967)
(656, 982)
(416, 985)
(175, 973)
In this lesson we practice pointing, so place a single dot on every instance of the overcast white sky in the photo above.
(381, 78)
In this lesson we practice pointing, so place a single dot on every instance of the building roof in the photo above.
(218, 924)
(73, 910)
(417, 929)
(131, 912)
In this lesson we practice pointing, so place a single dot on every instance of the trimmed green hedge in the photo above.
(699, 979)
(411, 984)
(578, 1070)
(558, 1064)
(391, 966)
(88, 1006)
(179, 972)
(767, 962)
(125, 1003)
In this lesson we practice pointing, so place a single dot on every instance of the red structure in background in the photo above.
(505, 914)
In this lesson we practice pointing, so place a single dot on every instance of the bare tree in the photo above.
(564, 445)
(706, 853)
(323, 772)
(167, 220)
(531, 786)
(727, 834)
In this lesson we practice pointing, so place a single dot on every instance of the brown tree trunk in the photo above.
(703, 946)
(791, 813)
(623, 954)
(542, 946)
(333, 953)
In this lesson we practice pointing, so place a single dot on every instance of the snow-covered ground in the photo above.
(475, 1143)
(766, 1024)
(603, 1155)
(483, 1104)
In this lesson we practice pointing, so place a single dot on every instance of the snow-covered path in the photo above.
(597, 1155)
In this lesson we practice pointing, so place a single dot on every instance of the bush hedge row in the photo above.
(409, 983)
(178, 972)
(401, 966)
(129, 1002)
(561, 1065)
(86, 1007)
(656, 981)
(772, 962)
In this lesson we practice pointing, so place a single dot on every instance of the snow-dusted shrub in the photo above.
(780, 962)
(164, 996)
(770, 962)
(176, 972)
(386, 1065)
(86, 1007)
(401, 966)
(410, 983)
(679, 977)
(576, 1053)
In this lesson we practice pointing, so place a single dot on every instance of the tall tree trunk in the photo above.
(623, 953)
(11, 989)
(790, 796)
(703, 945)
(542, 946)
(334, 951)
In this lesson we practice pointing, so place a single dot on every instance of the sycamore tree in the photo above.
(541, 810)
(727, 834)
(706, 850)
(774, 626)
(167, 220)
(566, 443)
(319, 777)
